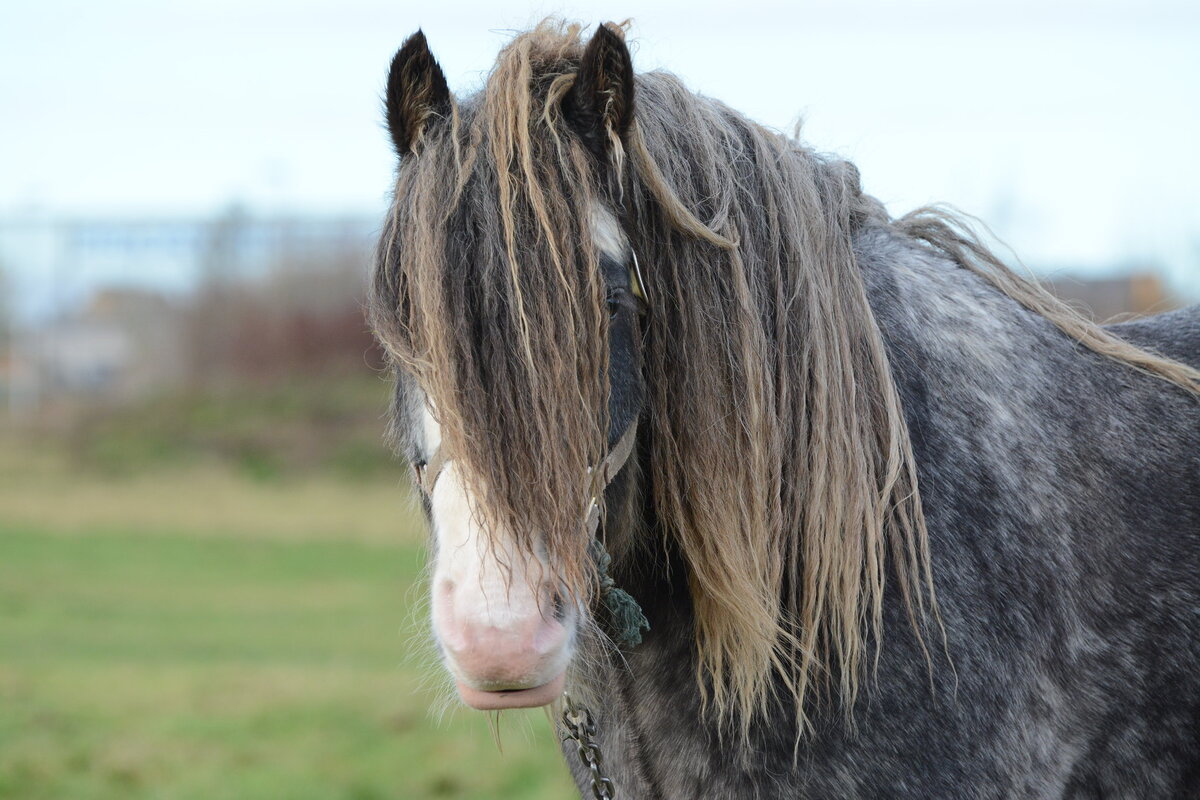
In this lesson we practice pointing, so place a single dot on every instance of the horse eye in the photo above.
(615, 301)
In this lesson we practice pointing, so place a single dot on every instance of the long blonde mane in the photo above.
(780, 461)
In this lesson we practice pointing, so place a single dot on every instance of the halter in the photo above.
(427, 474)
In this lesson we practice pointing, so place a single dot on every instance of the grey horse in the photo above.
(793, 499)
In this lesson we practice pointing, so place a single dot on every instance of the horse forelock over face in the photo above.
(501, 315)
(493, 296)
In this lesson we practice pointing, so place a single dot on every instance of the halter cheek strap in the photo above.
(604, 474)
(427, 474)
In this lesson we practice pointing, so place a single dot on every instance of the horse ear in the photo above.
(600, 104)
(416, 92)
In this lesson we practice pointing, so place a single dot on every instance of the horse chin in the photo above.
(532, 697)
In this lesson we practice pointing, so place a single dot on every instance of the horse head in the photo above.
(515, 320)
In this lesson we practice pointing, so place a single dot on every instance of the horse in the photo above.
(769, 493)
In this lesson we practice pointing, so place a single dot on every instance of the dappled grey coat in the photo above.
(1062, 494)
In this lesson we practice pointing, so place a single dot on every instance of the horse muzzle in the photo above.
(502, 656)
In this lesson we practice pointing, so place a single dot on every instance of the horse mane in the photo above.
(779, 458)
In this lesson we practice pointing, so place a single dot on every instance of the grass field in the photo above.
(192, 634)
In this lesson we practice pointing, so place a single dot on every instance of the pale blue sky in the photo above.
(1070, 127)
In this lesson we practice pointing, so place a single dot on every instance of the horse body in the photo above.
(1062, 494)
(828, 403)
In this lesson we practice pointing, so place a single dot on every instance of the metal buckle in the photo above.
(637, 284)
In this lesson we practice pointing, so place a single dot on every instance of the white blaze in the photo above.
(489, 595)
(609, 238)
(486, 590)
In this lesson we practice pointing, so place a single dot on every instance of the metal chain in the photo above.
(581, 729)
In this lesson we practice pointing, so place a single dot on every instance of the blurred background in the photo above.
(210, 567)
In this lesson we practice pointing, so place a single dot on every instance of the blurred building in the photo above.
(121, 343)
(56, 264)
(115, 309)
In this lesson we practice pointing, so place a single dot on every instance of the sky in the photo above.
(1070, 128)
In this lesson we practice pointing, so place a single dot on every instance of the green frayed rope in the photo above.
(624, 613)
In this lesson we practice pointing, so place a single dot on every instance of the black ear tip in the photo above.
(416, 92)
(608, 51)
(417, 40)
(608, 38)
(413, 46)
(610, 31)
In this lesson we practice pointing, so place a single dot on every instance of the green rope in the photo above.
(624, 613)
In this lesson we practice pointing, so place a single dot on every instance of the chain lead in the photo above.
(581, 729)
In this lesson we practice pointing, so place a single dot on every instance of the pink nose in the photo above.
(506, 657)
(505, 653)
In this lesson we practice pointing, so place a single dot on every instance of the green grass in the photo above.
(246, 643)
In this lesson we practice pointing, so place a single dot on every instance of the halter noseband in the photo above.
(427, 474)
